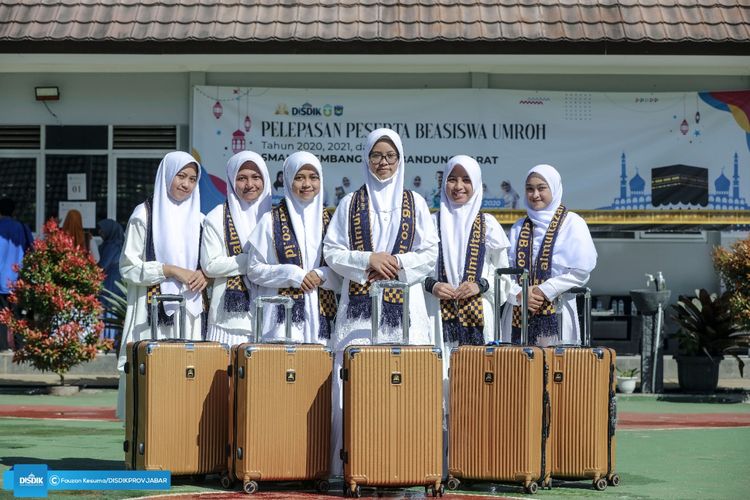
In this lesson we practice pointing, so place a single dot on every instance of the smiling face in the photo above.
(184, 183)
(306, 183)
(538, 193)
(249, 182)
(383, 159)
(458, 185)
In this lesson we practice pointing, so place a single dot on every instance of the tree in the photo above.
(57, 285)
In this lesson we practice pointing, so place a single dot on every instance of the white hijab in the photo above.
(246, 215)
(574, 247)
(176, 228)
(456, 219)
(386, 195)
(307, 218)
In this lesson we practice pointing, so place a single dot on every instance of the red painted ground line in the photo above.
(67, 412)
(680, 420)
(625, 420)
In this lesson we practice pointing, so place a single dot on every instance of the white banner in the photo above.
(613, 150)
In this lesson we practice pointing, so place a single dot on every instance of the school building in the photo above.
(106, 88)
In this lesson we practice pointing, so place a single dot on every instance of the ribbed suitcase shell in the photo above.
(497, 422)
(392, 416)
(280, 417)
(582, 428)
(176, 406)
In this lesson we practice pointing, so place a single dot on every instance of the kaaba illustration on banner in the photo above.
(679, 185)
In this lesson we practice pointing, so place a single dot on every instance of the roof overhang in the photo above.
(572, 64)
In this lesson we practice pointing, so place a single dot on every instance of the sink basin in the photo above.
(647, 301)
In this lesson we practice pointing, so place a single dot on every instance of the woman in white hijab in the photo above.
(160, 256)
(472, 245)
(286, 256)
(555, 245)
(379, 231)
(225, 248)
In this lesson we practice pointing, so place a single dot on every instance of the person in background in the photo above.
(277, 188)
(160, 256)
(509, 195)
(435, 194)
(15, 241)
(568, 263)
(113, 238)
(73, 225)
(226, 245)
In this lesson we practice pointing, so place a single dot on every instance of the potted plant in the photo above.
(708, 331)
(58, 285)
(626, 380)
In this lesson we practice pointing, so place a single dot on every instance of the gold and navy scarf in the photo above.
(463, 320)
(544, 322)
(360, 239)
(237, 296)
(156, 289)
(288, 252)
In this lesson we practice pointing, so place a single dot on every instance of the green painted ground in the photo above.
(667, 464)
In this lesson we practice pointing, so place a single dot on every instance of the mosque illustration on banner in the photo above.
(679, 186)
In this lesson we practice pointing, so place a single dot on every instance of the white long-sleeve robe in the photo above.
(561, 279)
(265, 271)
(231, 328)
(139, 275)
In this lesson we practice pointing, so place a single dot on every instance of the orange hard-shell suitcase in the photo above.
(280, 410)
(392, 411)
(176, 403)
(499, 410)
(583, 408)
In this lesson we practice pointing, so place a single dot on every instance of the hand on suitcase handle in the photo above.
(311, 281)
(385, 264)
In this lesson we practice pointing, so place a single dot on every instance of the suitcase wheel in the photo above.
(453, 483)
(226, 481)
(250, 487)
(532, 488)
(352, 493)
(614, 480)
(322, 485)
(600, 484)
(434, 492)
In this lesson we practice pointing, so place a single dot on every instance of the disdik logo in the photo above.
(31, 480)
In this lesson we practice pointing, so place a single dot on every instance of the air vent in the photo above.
(146, 137)
(20, 137)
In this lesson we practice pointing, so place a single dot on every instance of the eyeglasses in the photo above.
(376, 157)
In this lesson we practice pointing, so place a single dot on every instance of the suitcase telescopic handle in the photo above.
(586, 327)
(287, 302)
(375, 290)
(155, 299)
(513, 271)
